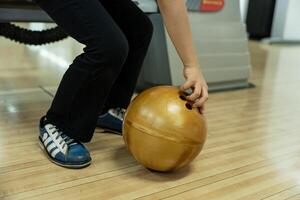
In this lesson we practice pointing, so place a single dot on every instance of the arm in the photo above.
(177, 23)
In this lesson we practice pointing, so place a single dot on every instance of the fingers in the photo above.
(196, 94)
(203, 98)
(202, 109)
(187, 85)
(200, 103)
(199, 95)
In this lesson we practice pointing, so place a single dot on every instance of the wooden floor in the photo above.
(252, 151)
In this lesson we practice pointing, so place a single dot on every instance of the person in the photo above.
(101, 80)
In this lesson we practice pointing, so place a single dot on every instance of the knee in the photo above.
(111, 51)
(145, 30)
(117, 49)
(149, 27)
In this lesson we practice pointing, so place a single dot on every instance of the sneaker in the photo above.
(60, 148)
(112, 121)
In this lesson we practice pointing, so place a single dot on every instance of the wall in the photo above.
(244, 9)
(286, 24)
(292, 26)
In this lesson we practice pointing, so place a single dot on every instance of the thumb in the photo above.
(186, 85)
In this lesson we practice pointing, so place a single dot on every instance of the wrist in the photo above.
(191, 64)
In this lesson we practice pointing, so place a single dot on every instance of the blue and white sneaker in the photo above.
(60, 148)
(112, 121)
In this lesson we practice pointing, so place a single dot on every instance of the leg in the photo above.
(86, 84)
(138, 29)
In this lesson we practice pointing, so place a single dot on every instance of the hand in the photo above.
(195, 81)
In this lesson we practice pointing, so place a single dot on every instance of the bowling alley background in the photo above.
(244, 146)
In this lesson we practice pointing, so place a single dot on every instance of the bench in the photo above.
(21, 11)
(26, 11)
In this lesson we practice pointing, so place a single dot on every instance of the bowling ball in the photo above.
(162, 130)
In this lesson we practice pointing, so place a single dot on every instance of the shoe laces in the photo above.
(119, 112)
(63, 140)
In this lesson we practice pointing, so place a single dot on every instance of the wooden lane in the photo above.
(252, 151)
(220, 159)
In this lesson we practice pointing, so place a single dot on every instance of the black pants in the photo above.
(116, 35)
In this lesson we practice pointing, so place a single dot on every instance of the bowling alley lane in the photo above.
(252, 149)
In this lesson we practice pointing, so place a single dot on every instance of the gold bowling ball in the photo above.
(162, 131)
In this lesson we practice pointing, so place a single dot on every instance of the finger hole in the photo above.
(188, 106)
(182, 97)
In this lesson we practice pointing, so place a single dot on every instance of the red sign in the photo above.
(211, 5)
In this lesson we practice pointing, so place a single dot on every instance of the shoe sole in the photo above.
(103, 130)
(59, 163)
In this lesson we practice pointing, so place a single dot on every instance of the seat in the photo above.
(27, 11)
(23, 4)
(21, 11)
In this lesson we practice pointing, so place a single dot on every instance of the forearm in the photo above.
(177, 23)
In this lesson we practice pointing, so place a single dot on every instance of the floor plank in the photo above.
(252, 149)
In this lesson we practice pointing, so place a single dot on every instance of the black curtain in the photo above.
(259, 18)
